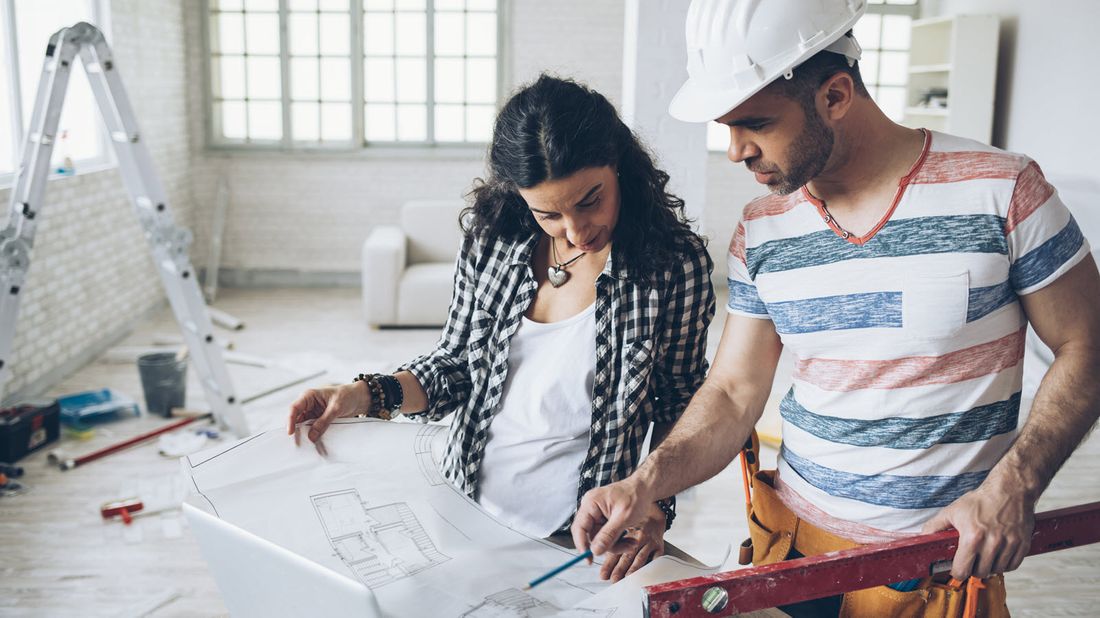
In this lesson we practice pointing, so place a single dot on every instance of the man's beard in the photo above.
(810, 152)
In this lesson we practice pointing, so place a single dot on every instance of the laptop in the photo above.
(259, 578)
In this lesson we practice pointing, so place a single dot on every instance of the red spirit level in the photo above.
(814, 577)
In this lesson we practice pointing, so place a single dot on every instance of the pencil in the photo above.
(538, 580)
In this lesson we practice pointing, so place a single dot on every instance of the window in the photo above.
(245, 69)
(883, 33)
(347, 73)
(320, 71)
(26, 26)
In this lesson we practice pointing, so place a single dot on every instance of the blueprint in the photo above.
(378, 544)
(372, 505)
(513, 602)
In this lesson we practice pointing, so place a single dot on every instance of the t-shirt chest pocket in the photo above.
(934, 305)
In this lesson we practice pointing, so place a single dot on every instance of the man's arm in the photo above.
(995, 521)
(707, 437)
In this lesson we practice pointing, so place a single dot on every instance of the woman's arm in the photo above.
(438, 382)
(682, 344)
(681, 368)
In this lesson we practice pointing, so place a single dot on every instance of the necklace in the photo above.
(830, 219)
(557, 273)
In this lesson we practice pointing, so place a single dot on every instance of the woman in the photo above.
(580, 312)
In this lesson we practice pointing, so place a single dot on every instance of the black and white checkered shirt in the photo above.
(650, 354)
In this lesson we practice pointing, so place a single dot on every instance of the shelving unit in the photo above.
(957, 53)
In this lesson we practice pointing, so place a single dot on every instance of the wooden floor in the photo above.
(58, 558)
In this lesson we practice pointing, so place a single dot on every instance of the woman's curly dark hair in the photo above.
(554, 127)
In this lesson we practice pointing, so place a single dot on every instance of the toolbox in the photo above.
(27, 427)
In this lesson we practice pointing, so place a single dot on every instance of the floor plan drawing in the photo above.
(426, 456)
(514, 603)
(380, 544)
(376, 507)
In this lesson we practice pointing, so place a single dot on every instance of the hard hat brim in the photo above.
(697, 103)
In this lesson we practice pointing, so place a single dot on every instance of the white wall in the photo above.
(1047, 89)
(91, 276)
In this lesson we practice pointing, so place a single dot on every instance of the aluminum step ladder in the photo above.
(168, 242)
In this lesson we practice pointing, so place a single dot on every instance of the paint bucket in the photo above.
(164, 380)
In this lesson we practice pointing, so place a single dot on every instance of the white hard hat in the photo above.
(737, 47)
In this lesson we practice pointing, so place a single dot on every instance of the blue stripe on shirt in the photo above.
(867, 310)
(870, 310)
(889, 490)
(916, 236)
(1041, 262)
(984, 301)
(743, 297)
(976, 424)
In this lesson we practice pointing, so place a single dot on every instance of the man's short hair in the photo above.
(810, 75)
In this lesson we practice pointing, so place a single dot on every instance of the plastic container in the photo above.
(164, 380)
(82, 409)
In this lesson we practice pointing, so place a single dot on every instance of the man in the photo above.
(901, 268)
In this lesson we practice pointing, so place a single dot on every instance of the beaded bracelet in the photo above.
(668, 507)
(394, 394)
(377, 408)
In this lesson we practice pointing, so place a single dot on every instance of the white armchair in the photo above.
(408, 269)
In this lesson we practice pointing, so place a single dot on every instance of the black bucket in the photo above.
(164, 380)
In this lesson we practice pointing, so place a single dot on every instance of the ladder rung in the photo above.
(40, 138)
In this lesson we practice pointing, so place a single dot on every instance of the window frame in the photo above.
(357, 145)
(106, 159)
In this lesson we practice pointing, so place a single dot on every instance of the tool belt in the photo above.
(776, 533)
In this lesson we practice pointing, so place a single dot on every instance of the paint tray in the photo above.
(89, 407)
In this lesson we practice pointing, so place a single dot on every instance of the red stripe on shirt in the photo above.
(958, 366)
(851, 530)
(942, 167)
(737, 243)
(1032, 191)
(769, 206)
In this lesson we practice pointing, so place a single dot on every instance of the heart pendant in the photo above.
(557, 276)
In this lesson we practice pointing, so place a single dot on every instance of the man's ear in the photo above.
(836, 96)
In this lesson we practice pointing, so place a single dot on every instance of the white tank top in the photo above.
(537, 441)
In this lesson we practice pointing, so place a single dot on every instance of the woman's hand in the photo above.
(646, 543)
(324, 405)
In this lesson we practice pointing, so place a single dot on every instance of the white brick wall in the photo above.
(91, 275)
(573, 38)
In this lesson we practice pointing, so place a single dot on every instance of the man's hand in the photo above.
(995, 523)
(605, 513)
(648, 543)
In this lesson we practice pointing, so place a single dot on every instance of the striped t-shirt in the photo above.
(909, 340)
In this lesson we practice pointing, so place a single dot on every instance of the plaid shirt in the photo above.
(650, 354)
